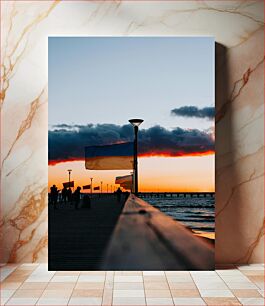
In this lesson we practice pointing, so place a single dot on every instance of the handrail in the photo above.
(146, 239)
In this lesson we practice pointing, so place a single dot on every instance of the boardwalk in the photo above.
(77, 238)
(112, 235)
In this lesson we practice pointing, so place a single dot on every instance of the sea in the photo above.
(196, 213)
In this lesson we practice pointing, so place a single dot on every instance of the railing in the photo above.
(146, 239)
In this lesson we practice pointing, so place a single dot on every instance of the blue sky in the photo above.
(112, 79)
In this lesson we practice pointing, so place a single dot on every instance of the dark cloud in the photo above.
(177, 142)
(194, 111)
(69, 126)
(67, 142)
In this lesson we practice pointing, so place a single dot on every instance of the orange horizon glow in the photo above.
(156, 173)
(179, 154)
(151, 154)
(55, 162)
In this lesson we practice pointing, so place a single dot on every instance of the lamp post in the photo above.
(135, 123)
(132, 174)
(69, 176)
(91, 179)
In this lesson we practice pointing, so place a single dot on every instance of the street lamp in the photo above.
(132, 174)
(135, 123)
(69, 172)
(91, 179)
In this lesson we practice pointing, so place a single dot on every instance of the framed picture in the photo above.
(131, 153)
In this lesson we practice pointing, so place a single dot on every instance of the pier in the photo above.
(122, 235)
(77, 238)
(175, 194)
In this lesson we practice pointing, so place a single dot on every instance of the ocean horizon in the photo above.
(197, 213)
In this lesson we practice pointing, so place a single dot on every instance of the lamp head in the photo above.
(136, 122)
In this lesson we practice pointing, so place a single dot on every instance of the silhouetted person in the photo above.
(64, 194)
(76, 197)
(69, 195)
(86, 201)
(119, 193)
(54, 196)
(127, 193)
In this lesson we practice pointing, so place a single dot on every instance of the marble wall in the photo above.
(238, 29)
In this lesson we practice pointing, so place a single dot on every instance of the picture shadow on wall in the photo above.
(225, 166)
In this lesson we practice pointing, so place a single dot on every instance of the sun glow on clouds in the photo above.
(189, 173)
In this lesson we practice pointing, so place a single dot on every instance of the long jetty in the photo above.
(175, 194)
(122, 235)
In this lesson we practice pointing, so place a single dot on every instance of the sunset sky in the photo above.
(95, 82)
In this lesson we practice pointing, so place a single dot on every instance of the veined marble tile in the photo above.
(241, 285)
(128, 279)
(85, 301)
(229, 272)
(122, 301)
(262, 293)
(251, 301)
(236, 25)
(91, 278)
(53, 301)
(159, 301)
(22, 301)
(237, 278)
(129, 286)
(188, 301)
(257, 267)
(64, 279)
(216, 293)
(128, 293)
(151, 273)
(6, 270)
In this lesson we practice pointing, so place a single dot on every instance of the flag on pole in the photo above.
(126, 185)
(109, 157)
(97, 188)
(68, 184)
(87, 187)
(123, 179)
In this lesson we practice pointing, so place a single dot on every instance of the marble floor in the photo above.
(33, 284)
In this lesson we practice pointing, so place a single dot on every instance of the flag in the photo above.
(87, 187)
(96, 188)
(68, 184)
(109, 157)
(127, 185)
(123, 179)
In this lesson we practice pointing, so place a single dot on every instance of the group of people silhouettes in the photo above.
(66, 196)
